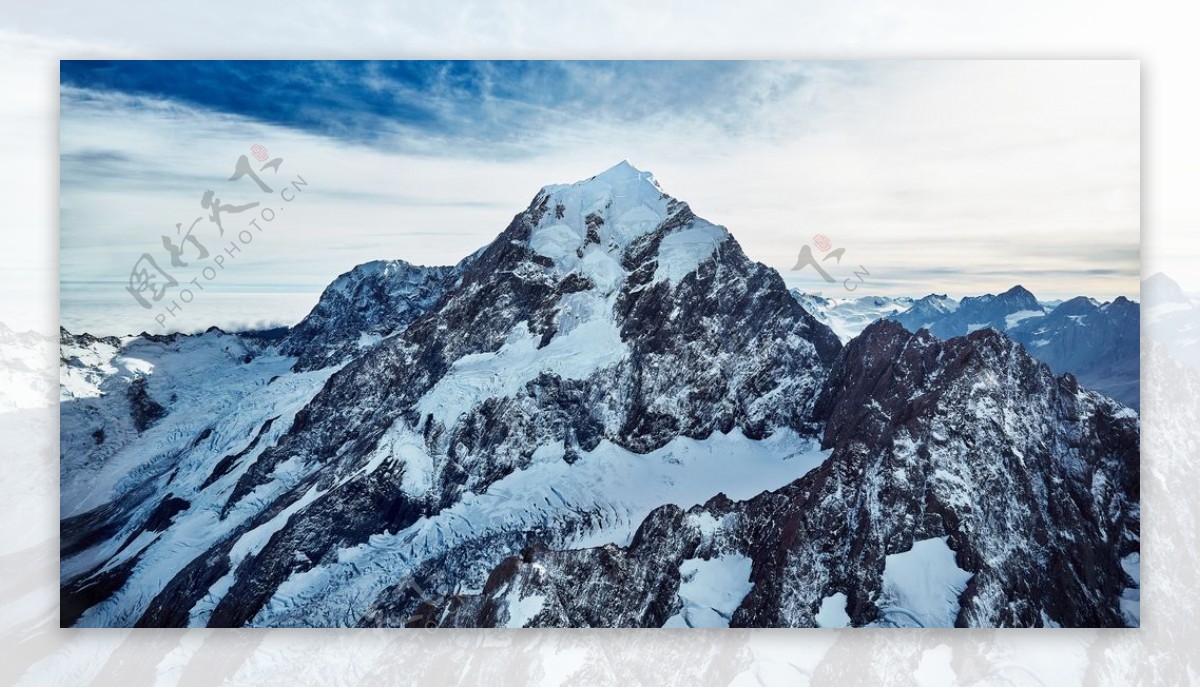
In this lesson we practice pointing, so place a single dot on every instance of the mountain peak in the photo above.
(1077, 305)
(622, 178)
(362, 306)
(586, 228)
(1017, 297)
(1159, 288)
(623, 169)
(1020, 291)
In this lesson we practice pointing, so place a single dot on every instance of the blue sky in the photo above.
(465, 102)
(955, 177)
(487, 108)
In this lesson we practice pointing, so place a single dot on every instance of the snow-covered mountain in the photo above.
(1096, 342)
(1160, 291)
(848, 317)
(607, 416)
(1099, 343)
(928, 310)
(947, 318)
(361, 307)
(966, 486)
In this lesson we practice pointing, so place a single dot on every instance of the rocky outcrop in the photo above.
(1031, 482)
(361, 307)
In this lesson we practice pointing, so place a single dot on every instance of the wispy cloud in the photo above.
(960, 177)
(474, 108)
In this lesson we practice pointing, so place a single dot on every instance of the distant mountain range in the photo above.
(1097, 343)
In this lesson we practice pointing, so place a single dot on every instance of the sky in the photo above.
(957, 177)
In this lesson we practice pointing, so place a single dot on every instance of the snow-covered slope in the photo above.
(22, 378)
(928, 310)
(1173, 317)
(597, 419)
(849, 317)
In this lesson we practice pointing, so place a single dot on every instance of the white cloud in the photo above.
(960, 177)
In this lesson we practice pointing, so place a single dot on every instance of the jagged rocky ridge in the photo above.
(604, 327)
(361, 307)
(1032, 481)
(1098, 343)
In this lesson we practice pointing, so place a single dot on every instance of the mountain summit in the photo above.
(609, 415)
(606, 315)
(946, 318)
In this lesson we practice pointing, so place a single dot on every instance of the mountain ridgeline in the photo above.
(604, 417)
(1096, 342)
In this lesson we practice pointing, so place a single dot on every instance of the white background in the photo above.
(33, 37)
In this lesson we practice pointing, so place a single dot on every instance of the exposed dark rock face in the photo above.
(160, 518)
(1032, 481)
(85, 339)
(360, 307)
(145, 409)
